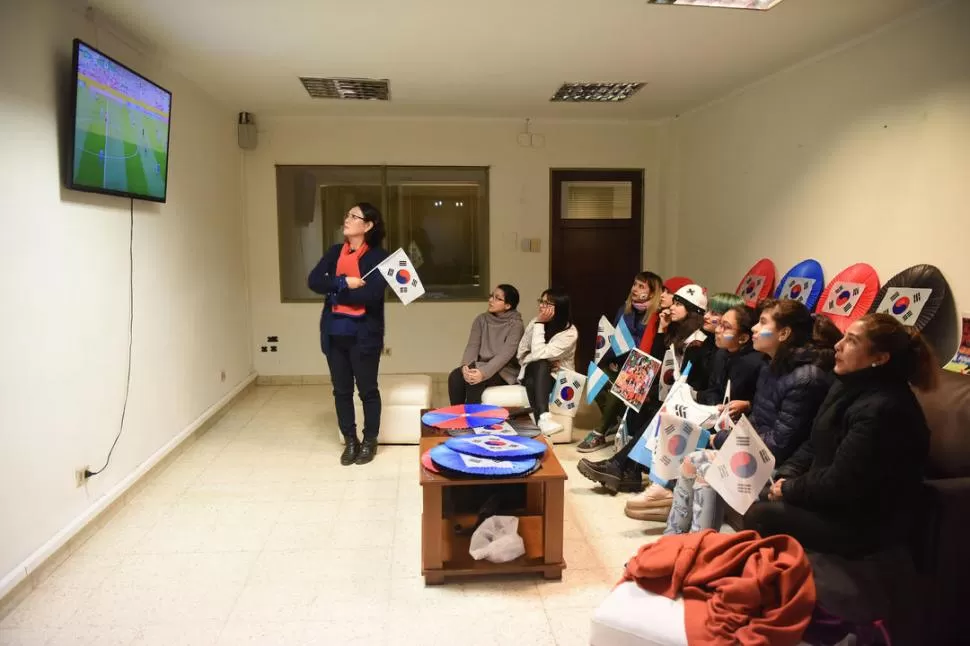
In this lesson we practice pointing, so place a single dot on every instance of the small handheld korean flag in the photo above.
(669, 372)
(905, 303)
(566, 393)
(645, 447)
(622, 341)
(742, 467)
(797, 289)
(596, 379)
(677, 438)
(843, 298)
(401, 275)
(682, 404)
(604, 337)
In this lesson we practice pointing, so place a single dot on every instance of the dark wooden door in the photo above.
(595, 243)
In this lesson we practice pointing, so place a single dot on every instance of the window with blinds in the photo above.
(591, 200)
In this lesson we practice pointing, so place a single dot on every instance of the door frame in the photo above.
(556, 223)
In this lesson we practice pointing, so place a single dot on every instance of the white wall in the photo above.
(860, 156)
(64, 278)
(429, 337)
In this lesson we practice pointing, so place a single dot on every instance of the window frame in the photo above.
(480, 223)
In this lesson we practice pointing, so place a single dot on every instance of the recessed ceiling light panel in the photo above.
(758, 5)
(339, 88)
(596, 92)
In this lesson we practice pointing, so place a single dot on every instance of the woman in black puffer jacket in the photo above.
(793, 384)
(845, 489)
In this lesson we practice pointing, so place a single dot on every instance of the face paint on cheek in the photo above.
(727, 336)
(766, 334)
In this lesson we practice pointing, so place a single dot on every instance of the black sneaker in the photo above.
(351, 449)
(613, 477)
(368, 449)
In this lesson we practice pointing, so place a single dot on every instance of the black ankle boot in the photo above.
(612, 475)
(368, 449)
(351, 450)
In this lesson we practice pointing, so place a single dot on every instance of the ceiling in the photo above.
(496, 58)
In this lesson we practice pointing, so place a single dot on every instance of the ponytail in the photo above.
(910, 356)
(922, 366)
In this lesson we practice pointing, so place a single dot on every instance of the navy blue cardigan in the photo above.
(324, 280)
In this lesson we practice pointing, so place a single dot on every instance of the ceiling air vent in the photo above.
(596, 92)
(364, 89)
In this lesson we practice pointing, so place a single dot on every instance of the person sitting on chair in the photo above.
(489, 357)
(549, 343)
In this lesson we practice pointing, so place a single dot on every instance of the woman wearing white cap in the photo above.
(681, 327)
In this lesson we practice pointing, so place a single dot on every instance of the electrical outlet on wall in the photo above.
(222, 376)
(80, 475)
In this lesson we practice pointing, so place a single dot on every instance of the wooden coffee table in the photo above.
(444, 553)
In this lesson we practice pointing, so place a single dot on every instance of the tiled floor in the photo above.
(257, 535)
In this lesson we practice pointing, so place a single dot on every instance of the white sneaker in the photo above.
(548, 426)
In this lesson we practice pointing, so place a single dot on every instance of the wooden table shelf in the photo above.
(444, 553)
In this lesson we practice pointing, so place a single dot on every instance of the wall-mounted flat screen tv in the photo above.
(121, 129)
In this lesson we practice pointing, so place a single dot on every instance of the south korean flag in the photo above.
(751, 288)
(566, 393)
(797, 289)
(669, 372)
(742, 467)
(905, 303)
(677, 438)
(401, 275)
(843, 298)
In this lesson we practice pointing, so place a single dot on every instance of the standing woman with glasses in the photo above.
(489, 357)
(352, 326)
(549, 343)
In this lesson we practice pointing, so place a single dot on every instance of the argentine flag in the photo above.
(622, 341)
(595, 380)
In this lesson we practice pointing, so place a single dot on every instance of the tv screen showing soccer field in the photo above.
(121, 127)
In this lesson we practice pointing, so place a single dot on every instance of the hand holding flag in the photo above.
(742, 467)
(401, 276)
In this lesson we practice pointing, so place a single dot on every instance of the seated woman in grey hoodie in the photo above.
(489, 358)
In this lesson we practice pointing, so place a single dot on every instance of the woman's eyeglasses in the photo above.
(543, 303)
(495, 297)
(354, 216)
(721, 325)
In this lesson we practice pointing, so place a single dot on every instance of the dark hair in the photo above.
(795, 316)
(562, 318)
(910, 357)
(511, 295)
(371, 214)
(747, 317)
(825, 334)
(678, 331)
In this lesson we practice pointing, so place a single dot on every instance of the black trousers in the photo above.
(538, 385)
(347, 365)
(461, 392)
(813, 530)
